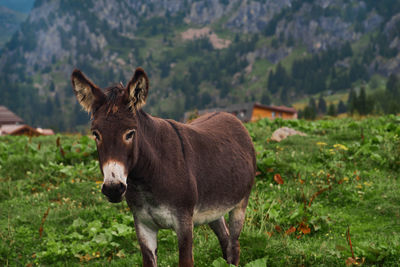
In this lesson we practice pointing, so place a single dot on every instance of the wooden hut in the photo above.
(11, 124)
(8, 117)
(250, 112)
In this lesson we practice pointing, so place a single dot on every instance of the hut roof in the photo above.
(23, 129)
(277, 108)
(8, 117)
(244, 111)
(18, 129)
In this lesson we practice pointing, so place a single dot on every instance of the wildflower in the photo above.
(367, 183)
(339, 146)
(346, 178)
(321, 144)
(359, 186)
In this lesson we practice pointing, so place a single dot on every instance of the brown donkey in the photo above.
(172, 175)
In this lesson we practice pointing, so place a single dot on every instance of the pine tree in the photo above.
(321, 105)
(361, 105)
(332, 110)
(346, 50)
(310, 112)
(393, 94)
(284, 96)
(272, 82)
(392, 85)
(341, 107)
(351, 102)
(265, 99)
(312, 104)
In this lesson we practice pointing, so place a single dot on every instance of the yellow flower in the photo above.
(367, 183)
(359, 186)
(321, 144)
(346, 178)
(339, 146)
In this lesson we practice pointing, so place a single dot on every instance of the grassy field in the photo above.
(313, 194)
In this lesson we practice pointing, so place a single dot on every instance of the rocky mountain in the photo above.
(272, 51)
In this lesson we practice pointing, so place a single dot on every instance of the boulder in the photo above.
(281, 133)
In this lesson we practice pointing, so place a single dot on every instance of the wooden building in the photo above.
(8, 117)
(11, 124)
(273, 112)
(250, 112)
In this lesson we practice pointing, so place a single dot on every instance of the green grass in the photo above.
(343, 175)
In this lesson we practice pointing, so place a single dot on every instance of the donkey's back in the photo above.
(221, 157)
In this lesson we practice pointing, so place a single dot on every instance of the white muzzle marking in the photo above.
(114, 172)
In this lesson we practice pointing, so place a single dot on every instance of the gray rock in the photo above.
(253, 16)
(284, 132)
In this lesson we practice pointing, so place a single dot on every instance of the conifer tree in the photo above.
(351, 102)
(265, 99)
(341, 107)
(321, 105)
(392, 85)
(272, 86)
(332, 110)
(310, 111)
(361, 103)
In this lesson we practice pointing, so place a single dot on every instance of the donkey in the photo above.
(172, 175)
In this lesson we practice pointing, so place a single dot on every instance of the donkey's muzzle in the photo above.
(114, 191)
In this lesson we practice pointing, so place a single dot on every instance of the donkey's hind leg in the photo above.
(222, 232)
(236, 221)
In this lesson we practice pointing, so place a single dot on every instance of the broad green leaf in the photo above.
(220, 262)
(257, 263)
(102, 239)
(78, 223)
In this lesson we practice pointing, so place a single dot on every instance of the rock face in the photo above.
(107, 38)
(284, 132)
(59, 30)
(206, 12)
(253, 16)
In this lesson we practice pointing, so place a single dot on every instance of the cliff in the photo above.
(108, 39)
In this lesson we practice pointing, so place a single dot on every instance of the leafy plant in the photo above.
(308, 191)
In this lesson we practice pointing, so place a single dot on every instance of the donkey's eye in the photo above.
(96, 135)
(129, 135)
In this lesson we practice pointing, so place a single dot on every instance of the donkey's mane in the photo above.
(114, 97)
(113, 92)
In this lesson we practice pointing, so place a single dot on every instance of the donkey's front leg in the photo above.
(184, 232)
(147, 237)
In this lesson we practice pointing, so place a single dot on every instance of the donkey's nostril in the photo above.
(114, 191)
(122, 188)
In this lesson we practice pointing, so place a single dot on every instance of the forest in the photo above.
(275, 63)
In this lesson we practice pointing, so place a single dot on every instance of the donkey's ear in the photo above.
(137, 88)
(88, 94)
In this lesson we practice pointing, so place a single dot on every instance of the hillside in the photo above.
(339, 181)
(266, 51)
(9, 22)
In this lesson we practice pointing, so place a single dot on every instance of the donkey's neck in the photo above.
(148, 134)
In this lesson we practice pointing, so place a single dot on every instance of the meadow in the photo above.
(331, 198)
